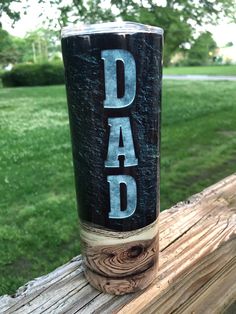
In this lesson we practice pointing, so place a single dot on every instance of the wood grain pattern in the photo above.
(124, 269)
(196, 274)
(120, 262)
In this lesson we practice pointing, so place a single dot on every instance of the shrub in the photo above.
(34, 74)
(1, 74)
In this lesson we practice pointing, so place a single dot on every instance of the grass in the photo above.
(204, 70)
(38, 218)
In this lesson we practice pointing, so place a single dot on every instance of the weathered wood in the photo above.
(197, 267)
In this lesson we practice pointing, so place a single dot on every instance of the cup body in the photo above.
(113, 80)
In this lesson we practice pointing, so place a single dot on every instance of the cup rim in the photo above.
(109, 27)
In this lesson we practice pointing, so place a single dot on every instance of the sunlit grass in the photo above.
(202, 70)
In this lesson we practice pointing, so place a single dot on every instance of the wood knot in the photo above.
(135, 251)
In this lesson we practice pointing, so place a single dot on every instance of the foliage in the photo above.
(43, 45)
(5, 47)
(5, 7)
(89, 11)
(176, 31)
(11, 48)
(177, 17)
(229, 44)
(202, 50)
(38, 218)
(34, 74)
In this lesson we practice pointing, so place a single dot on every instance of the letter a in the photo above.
(115, 204)
(110, 57)
(118, 127)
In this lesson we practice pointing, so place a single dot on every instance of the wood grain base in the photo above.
(120, 262)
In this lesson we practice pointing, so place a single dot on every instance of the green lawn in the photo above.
(205, 70)
(38, 218)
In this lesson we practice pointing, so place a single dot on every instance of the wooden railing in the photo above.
(197, 272)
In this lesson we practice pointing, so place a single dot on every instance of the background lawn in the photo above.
(204, 70)
(38, 218)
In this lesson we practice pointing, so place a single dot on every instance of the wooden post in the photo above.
(197, 267)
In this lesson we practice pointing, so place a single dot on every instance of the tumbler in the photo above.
(113, 74)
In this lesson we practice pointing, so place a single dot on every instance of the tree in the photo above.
(6, 7)
(202, 50)
(11, 48)
(42, 45)
(178, 18)
(5, 47)
(38, 46)
(229, 44)
(90, 11)
(176, 30)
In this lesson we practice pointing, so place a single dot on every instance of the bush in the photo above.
(34, 74)
(1, 74)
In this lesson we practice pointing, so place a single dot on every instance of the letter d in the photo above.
(110, 57)
(115, 204)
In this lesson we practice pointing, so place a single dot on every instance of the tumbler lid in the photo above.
(111, 27)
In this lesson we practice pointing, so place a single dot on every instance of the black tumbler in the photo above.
(113, 77)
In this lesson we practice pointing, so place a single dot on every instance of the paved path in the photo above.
(200, 77)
